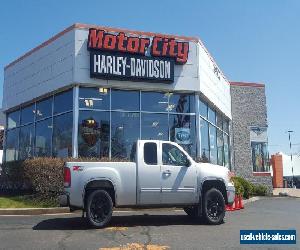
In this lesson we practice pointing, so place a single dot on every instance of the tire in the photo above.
(213, 207)
(191, 211)
(99, 208)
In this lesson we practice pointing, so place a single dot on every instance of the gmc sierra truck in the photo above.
(160, 174)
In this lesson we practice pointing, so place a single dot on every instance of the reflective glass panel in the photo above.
(63, 102)
(13, 119)
(213, 144)
(125, 131)
(155, 126)
(155, 102)
(204, 141)
(183, 132)
(94, 98)
(125, 100)
(219, 121)
(203, 109)
(93, 134)
(26, 142)
(226, 126)
(43, 135)
(27, 114)
(220, 145)
(62, 135)
(181, 103)
(226, 151)
(211, 115)
(12, 142)
(259, 157)
(44, 108)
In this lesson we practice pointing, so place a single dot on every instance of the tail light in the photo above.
(67, 177)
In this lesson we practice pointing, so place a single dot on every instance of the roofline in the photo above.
(248, 84)
(108, 29)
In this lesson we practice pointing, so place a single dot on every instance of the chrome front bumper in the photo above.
(230, 194)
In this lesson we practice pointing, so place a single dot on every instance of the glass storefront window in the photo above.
(183, 132)
(44, 108)
(211, 115)
(94, 98)
(220, 145)
(204, 151)
(62, 135)
(203, 109)
(181, 103)
(259, 157)
(226, 126)
(155, 101)
(155, 126)
(12, 145)
(125, 100)
(213, 144)
(13, 119)
(219, 121)
(226, 151)
(26, 142)
(124, 133)
(63, 102)
(93, 134)
(27, 114)
(43, 136)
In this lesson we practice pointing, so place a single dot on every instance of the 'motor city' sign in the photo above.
(136, 58)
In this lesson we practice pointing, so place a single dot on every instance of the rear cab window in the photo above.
(150, 153)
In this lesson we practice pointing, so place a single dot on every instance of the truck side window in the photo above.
(150, 153)
(171, 155)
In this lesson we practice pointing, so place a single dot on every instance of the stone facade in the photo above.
(248, 103)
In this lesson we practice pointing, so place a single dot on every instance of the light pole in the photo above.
(290, 141)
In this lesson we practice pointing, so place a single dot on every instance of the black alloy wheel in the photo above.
(214, 207)
(99, 208)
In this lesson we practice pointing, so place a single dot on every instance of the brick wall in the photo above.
(248, 104)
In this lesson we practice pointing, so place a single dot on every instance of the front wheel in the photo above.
(99, 208)
(213, 207)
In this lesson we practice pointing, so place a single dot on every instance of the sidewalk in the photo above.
(291, 192)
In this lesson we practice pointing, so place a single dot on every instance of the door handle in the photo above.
(167, 172)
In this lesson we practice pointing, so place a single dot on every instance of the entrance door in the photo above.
(178, 176)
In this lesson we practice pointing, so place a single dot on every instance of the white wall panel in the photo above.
(45, 70)
(215, 88)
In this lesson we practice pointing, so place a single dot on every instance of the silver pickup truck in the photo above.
(160, 174)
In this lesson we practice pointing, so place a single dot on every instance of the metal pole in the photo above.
(290, 131)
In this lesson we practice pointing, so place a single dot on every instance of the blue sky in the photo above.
(253, 41)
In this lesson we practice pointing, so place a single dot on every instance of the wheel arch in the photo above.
(96, 184)
(214, 183)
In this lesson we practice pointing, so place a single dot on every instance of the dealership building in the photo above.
(92, 91)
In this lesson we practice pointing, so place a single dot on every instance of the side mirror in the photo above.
(187, 163)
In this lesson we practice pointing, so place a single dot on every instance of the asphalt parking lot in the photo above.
(155, 229)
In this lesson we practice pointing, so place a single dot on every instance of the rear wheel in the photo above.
(99, 208)
(213, 207)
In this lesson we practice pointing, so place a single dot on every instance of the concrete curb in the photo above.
(255, 198)
(33, 211)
